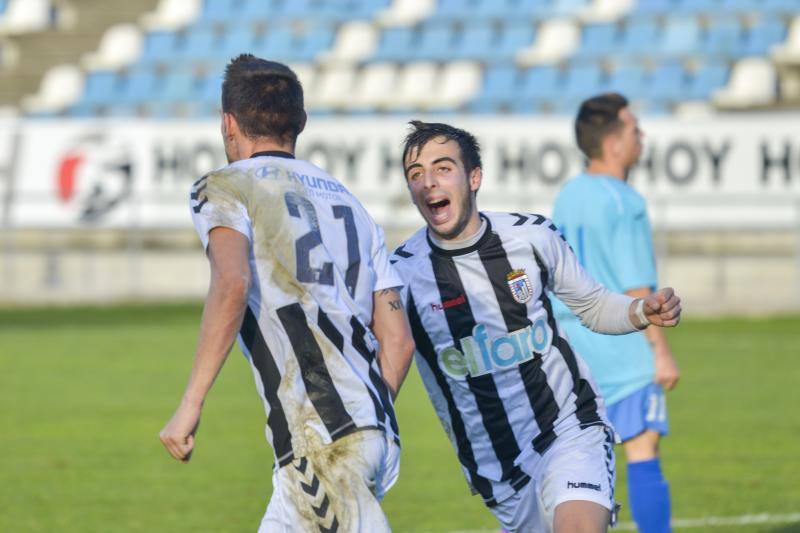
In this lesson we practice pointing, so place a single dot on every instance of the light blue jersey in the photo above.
(605, 221)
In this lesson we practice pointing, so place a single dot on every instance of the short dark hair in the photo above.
(265, 97)
(598, 117)
(425, 131)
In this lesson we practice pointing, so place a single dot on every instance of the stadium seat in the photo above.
(375, 87)
(630, 80)
(582, 80)
(459, 82)
(101, 87)
(159, 47)
(406, 12)
(333, 89)
(723, 38)
(26, 16)
(476, 41)
(139, 85)
(355, 41)
(789, 51)
(394, 44)
(597, 40)
(681, 36)
(61, 87)
(557, 39)
(171, 15)
(219, 10)
(539, 86)
(436, 40)
(499, 88)
(667, 82)
(753, 82)
(656, 7)
(765, 33)
(639, 36)
(705, 80)
(120, 46)
(606, 11)
(416, 86)
(513, 37)
(783, 7)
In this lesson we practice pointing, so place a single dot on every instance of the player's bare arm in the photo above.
(391, 328)
(222, 319)
(667, 372)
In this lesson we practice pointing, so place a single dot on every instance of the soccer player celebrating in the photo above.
(301, 273)
(520, 407)
(605, 220)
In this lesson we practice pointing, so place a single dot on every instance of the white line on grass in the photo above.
(763, 518)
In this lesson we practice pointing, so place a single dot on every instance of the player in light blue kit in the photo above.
(605, 221)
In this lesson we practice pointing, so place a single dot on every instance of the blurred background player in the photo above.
(528, 426)
(605, 221)
(300, 272)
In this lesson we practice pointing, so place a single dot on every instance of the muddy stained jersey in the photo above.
(316, 258)
(500, 373)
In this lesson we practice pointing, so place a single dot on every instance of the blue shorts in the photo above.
(644, 409)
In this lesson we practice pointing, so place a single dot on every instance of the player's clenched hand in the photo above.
(178, 435)
(663, 308)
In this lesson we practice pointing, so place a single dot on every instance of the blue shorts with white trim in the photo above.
(644, 409)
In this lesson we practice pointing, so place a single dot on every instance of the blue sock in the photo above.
(648, 493)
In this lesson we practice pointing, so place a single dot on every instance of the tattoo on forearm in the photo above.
(396, 305)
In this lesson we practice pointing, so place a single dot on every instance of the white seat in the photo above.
(25, 16)
(306, 74)
(120, 46)
(61, 86)
(460, 81)
(405, 12)
(376, 86)
(788, 52)
(171, 15)
(354, 41)
(416, 86)
(606, 10)
(753, 82)
(333, 89)
(557, 39)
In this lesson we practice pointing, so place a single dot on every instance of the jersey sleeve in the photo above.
(598, 308)
(215, 202)
(386, 276)
(632, 250)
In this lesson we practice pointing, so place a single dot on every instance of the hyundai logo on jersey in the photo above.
(483, 355)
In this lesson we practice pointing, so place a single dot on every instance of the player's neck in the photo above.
(606, 168)
(247, 146)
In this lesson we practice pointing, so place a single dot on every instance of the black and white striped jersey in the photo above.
(500, 373)
(316, 258)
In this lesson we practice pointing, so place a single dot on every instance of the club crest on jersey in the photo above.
(520, 285)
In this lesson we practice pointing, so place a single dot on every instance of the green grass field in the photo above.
(84, 392)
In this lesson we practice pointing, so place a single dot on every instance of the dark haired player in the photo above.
(526, 420)
(299, 271)
(605, 220)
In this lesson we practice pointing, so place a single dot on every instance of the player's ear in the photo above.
(230, 126)
(475, 179)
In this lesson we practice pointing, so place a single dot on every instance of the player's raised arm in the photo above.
(391, 328)
(222, 318)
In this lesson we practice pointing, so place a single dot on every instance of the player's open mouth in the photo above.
(438, 210)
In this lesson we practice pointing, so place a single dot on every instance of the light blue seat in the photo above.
(454, 9)
(501, 86)
(668, 81)
(476, 41)
(437, 41)
(539, 86)
(202, 42)
(219, 10)
(763, 35)
(568, 8)
(140, 85)
(102, 86)
(656, 7)
(159, 47)
(514, 36)
(724, 37)
(582, 81)
(706, 79)
(681, 36)
(629, 80)
(597, 40)
(785, 7)
(395, 44)
(639, 37)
